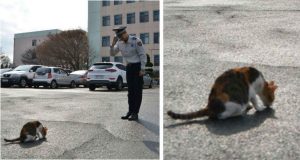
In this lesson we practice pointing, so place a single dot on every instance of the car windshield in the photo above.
(43, 70)
(22, 68)
(78, 72)
(102, 66)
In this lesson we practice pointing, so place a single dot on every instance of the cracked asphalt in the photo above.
(82, 124)
(204, 38)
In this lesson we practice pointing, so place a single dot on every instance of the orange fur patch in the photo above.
(244, 71)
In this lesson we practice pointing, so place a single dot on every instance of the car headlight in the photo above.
(14, 76)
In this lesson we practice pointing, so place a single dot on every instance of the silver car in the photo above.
(80, 77)
(53, 77)
(148, 81)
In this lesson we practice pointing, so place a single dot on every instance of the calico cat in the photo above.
(231, 94)
(31, 131)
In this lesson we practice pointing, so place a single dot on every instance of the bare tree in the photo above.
(5, 61)
(29, 57)
(68, 49)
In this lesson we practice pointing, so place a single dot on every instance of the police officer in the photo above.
(132, 50)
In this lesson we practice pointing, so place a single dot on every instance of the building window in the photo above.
(130, 18)
(156, 37)
(105, 41)
(145, 38)
(105, 3)
(105, 59)
(117, 2)
(144, 17)
(129, 1)
(106, 21)
(156, 15)
(118, 19)
(119, 59)
(156, 60)
(34, 42)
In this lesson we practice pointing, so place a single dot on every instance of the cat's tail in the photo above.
(12, 140)
(191, 115)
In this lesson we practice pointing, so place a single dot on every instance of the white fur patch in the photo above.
(29, 138)
(232, 109)
(258, 85)
(39, 131)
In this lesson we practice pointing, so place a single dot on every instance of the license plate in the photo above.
(4, 80)
(99, 77)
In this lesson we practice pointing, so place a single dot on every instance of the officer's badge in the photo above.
(140, 43)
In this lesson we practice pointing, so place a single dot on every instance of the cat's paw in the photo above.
(249, 107)
(260, 108)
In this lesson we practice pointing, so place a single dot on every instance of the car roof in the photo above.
(50, 67)
(30, 65)
(97, 63)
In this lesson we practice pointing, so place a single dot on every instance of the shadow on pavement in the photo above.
(28, 144)
(153, 146)
(150, 126)
(32, 144)
(232, 125)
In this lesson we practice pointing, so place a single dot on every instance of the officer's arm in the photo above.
(141, 54)
(114, 49)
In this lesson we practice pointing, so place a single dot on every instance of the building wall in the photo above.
(23, 42)
(94, 30)
(137, 28)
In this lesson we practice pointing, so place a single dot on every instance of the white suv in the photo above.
(109, 74)
(53, 77)
(22, 76)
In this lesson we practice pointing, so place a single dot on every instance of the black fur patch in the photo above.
(253, 74)
(235, 85)
(216, 107)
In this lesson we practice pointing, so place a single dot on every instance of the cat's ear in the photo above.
(272, 86)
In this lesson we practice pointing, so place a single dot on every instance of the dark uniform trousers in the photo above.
(135, 87)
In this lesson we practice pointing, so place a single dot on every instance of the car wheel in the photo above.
(53, 84)
(119, 85)
(73, 85)
(92, 87)
(150, 85)
(22, 83)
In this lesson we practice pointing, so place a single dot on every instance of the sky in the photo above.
(19, 16)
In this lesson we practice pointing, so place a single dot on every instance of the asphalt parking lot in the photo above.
(204, 38)
(82, 124)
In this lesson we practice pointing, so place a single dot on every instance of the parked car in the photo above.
(68, 70)
(3, 70)
(80, 77)
(21, 75)
(53, 77)
(148, 81)
(109, 74)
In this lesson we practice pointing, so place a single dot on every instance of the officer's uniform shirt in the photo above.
(132, 51)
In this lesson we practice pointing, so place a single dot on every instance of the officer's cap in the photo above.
(120, 30)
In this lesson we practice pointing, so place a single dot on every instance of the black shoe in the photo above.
(127, 116)
(133, 117)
